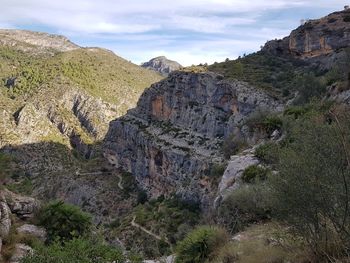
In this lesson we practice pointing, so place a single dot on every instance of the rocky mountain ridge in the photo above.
(28, 41)
(315, 38)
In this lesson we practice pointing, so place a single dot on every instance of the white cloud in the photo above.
(190, 31)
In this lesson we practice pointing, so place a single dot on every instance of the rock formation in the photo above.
(162, 65)
(315, 37)
(170, 140)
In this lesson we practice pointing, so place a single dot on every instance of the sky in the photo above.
(188, 31)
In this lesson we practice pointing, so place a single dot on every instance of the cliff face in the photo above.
(315, 37)
(174, 135)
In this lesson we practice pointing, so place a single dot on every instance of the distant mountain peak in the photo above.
(162, 65)
(30, 40)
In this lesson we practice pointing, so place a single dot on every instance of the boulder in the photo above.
(21, 250)
(32, 230)
(23, 206)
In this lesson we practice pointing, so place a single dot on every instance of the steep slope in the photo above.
(162, 65)
(76, 92)
(56, 102)
(171, 140)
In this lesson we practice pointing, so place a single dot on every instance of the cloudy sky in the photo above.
(189, 31)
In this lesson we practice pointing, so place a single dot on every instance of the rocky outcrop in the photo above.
(230, 180)
(21, 250)
(33, 230)
(23, 207)
(174, 135)
(162, 65)
(315, 38)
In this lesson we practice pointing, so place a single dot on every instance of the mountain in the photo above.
(162, 65)
(56, 102)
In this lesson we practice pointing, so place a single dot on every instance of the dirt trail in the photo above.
(134, 224)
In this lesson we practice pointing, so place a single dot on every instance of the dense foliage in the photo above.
(77, 251)
(201, 245)
(64, 221)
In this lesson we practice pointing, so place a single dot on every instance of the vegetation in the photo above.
(247, 205)
(170, 218)
(262, 70)
(311, 189)
(253, 173)
(78, 250)
(201, 245)
(63, 221)
(99, 72)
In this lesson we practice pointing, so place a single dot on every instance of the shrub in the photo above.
(217, 170)
(232, 145)
(201, 245)
(64, 221)
(267, 152)
(76, 251)
(311, 190)
(295, 111)
(253, 173)
(346, 18)
(244, 206)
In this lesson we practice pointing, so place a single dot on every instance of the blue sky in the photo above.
(188, 31)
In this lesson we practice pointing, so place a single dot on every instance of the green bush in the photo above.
(244, 206)
(76, 251)
(267, 152)
(201, 245)
(346, 18)
(232, 145)
(253, 173)
(295, 111)
(311, 190)
(64, 221)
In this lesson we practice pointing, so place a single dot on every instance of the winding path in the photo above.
(134, 224)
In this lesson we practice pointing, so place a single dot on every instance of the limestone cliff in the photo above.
(174, 135)
(315, 37)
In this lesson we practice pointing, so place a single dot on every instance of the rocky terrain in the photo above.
(315, 39)
(90, 128)
(174, 135)
(162, 65)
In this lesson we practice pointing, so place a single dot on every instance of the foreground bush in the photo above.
(244, 206)
(312, 190)
(201, 245)
(63, 221)
(76, 251)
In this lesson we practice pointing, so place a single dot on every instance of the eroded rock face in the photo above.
(174, 135)
(315, 37)
(32, 230)
(22, 206)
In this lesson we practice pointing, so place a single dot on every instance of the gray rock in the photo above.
(230, 179)
(21, 250)
(5, 219)
(33, 230)
(174, 135)
(23, 206)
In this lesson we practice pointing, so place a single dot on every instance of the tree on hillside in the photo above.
(312, 189)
